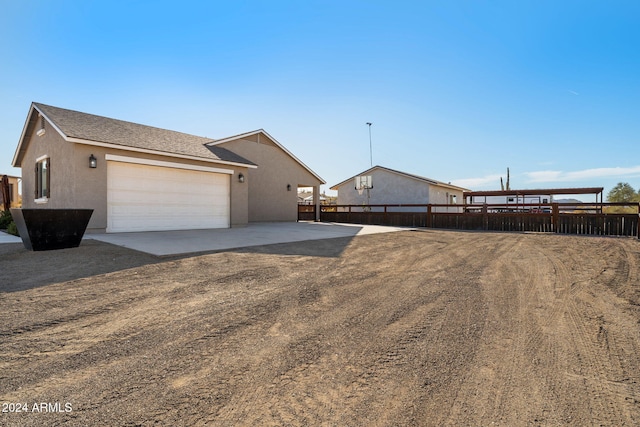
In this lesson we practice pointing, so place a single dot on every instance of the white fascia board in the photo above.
(158, 153)
(53, 125)
(233, 138)
(335, 187)
(403, 174)
(450, 187)
(423, 179)
(322, 181)
(26, 125)
(150, 162)
(24, 131)
(275, 141)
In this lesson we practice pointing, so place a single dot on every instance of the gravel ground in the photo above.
(423, 328)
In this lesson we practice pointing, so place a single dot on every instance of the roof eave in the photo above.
(16, 162)
(32, 121)
(158, 153)
(335, 187)
(275, 141)
(408, 175)
(26, 130)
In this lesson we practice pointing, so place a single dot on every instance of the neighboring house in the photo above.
(306, 198)
(14, 183)
(392, 187)
(303, 196)
(309, 200)
(142, 178)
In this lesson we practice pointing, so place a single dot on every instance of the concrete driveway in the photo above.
(8, 238)
(163, 243)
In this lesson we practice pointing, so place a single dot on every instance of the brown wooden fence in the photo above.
(306, 213)
(584, 219)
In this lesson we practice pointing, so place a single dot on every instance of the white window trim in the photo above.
(42, 200)
(160, 163)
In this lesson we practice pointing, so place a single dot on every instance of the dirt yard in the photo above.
(422, 328)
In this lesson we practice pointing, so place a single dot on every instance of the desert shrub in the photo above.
(620, 209)
(13, 229)
(5, 219)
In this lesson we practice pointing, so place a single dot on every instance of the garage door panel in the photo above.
(148, 198)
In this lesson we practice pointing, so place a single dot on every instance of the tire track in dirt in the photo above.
(348, 302)
(560, 327)
(581, 391)
(590, 372)
(462, 323)
(538, 305)
(354, 390)
(406, 329)
(97, 356)
(509, 284)
(607, 346)
(628, 288)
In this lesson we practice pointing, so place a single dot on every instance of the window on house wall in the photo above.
(43, 178)
(11, 193)
(453, 199)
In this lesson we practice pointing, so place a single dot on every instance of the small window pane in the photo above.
(42, 179)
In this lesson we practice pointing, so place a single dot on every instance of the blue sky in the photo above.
(456, 90)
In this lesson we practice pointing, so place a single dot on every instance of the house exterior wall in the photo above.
(443, 195)
(269, 199)
(388, 189)
(75, 185)
(239, 198)
(14, 184)
(62, 194)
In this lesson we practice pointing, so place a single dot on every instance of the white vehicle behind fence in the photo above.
(512, 203)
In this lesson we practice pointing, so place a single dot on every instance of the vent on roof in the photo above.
(41, 131)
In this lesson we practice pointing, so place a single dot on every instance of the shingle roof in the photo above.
(410, 175)
(89, 127)
(272, 139)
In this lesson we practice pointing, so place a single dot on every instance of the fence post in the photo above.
(428, 224)
(485, 217)
(638, 234)
(555, 217)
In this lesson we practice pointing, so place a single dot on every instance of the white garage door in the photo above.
(152, 198)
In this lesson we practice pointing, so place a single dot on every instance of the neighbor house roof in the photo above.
(263, 132)
(90, 129)
(408, 175)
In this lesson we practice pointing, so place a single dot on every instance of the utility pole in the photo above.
(370, 147)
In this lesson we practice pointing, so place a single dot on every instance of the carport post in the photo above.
(316, 202)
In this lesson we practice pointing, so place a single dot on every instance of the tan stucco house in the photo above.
(393, 187)
(14, 195)
(143, 178)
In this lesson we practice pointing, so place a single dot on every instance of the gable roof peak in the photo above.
(408, 175)
(272, 139)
